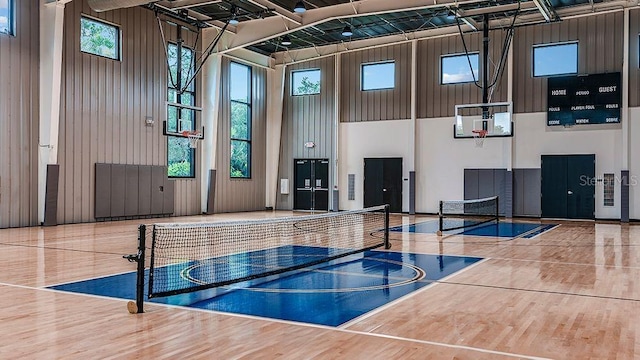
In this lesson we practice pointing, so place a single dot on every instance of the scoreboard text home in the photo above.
(582, 100)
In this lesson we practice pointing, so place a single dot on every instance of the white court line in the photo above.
(408, 296)
(557, 225)
(323, 327)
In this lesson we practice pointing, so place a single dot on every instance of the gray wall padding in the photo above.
(624, 196)
(132, 191)
(51, 195)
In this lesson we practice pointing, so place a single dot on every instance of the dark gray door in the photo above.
(383, 183)
(568, 186)
(311, 178)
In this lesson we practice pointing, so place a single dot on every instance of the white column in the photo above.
(625, 94)
(275, 102)
(336, 132)
(211, 75)
(414, 119)
(51, 35)
(510, 143)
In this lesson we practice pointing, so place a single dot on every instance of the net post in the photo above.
(142, 233)
(440, 221)
(497, 209)
(387, 244)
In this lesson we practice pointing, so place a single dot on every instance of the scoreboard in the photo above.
(583, 100)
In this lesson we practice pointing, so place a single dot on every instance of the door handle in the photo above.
(570, 192)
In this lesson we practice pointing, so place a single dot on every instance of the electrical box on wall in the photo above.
(284, 186)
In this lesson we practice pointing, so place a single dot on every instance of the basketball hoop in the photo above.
(193, 136)
(479, 136)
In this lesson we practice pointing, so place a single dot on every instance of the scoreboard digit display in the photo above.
(584, 100)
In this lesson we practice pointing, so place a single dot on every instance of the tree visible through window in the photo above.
(99, 38)
(240, 93)
(305, 82)
(6, 17)
(180, 156)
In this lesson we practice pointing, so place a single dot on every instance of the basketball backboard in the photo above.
(494, 118)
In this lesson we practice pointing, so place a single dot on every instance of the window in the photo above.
(180, 155)
(99, 38)
(240, 91)
(555, 59)
(378, 76)
(455, 69)
(6, 17)
(305, 82)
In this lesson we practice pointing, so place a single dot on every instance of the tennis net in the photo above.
(190, 257)
(459, 214)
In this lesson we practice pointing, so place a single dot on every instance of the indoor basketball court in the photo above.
(319, 179)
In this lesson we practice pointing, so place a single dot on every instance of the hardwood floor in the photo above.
(570, 293)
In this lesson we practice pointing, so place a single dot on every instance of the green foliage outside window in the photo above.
(240, 91)
(180, 156)
(99, 38)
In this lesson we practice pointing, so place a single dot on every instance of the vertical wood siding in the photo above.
(393, 104)
(600, 42)
(306, 118)
(19, 123)
(437, 100)
(103, 108)
(242, 194)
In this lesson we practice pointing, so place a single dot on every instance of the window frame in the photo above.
(249, 138)
(118, 46)
(302, 71)
(11, 19)
(549, 45)
(363, 65)
(192, 93)
(465, 55)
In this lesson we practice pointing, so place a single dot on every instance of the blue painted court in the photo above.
(331, 293)
(492, 229)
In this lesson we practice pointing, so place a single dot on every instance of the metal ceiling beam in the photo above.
(279, 10)
(185, 4)
(544, 9)
(526, 5)
(255, 31)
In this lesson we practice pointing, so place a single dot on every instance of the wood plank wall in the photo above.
(19, 112)
(242, 194)
(306, 118)
(634, 58)
(600, 50)
(393, 104)
(103, 108)
(437, 100)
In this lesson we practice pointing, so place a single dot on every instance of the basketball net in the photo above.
(479, 136)
(193, 136)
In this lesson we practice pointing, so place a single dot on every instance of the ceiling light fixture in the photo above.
(300, 8)
(234, 16)
(286, 41)
(347, 31)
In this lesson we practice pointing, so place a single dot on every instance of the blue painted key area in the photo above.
(492, 229)
(330, 294)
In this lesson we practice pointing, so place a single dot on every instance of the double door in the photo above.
(383, 183)
(568, 186)
(312, 184)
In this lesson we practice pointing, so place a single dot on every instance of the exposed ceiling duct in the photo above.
(106, 5)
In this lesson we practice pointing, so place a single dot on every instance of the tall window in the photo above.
(378, 76)
(99, 38)
(455, 69)
(555, 59)
(180, 156)
(240, 90)
(6, 17)
(305, 82)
